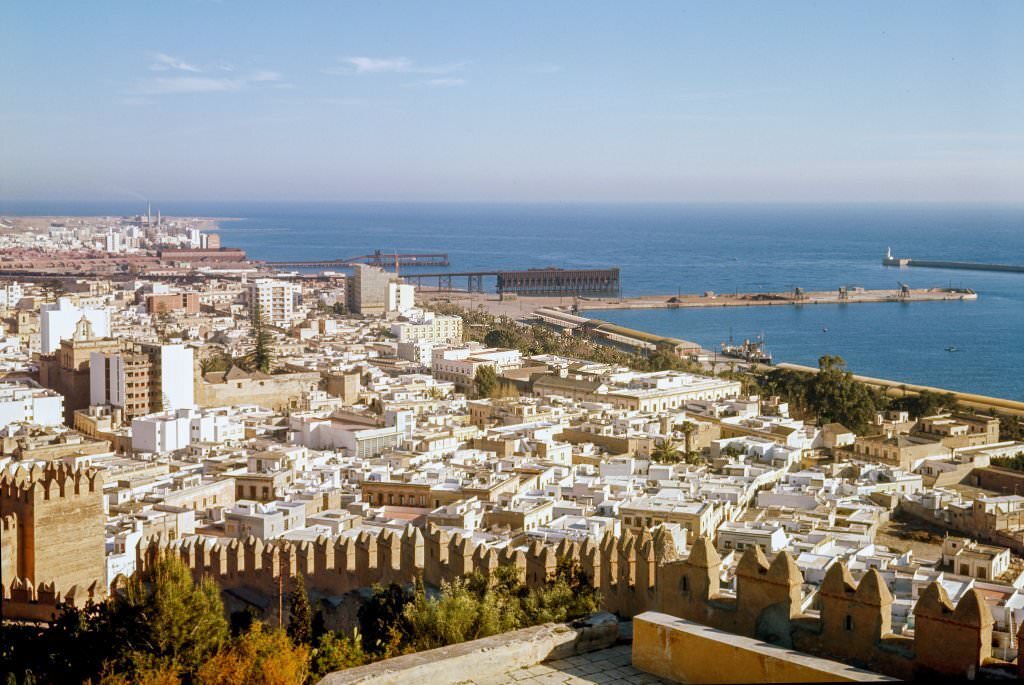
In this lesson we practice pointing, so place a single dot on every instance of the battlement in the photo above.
(51, 482)
(634, 573)
(53, 546)
(24, 601)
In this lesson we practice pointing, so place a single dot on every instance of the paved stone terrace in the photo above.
(610, 666)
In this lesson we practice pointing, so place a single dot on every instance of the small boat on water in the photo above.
(749, 351)
(952, 348)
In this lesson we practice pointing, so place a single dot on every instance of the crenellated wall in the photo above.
(636, 573)
(53, 539)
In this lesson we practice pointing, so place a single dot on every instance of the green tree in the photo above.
(166, 618)
(837, 397)
(925, 403)
(665, 452)
(260, 657)
(336, 652)
(503, 337)
(382, 620)
(262, 355)
(485, 382)
(568, 596)
(300, 614)
(688, 428)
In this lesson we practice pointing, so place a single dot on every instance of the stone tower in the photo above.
(58, 514)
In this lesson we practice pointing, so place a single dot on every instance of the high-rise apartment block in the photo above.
(276, 300)
(143, 379)
(368, 290)
(430, 328)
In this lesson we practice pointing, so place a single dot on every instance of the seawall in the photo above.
(963, 266)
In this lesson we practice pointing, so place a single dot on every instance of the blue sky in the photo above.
(512, 101)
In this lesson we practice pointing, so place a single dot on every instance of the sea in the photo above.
(693, 248)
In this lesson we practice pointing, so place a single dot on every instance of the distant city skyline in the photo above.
(535, 102)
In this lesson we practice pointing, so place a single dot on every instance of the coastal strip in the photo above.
(897, 388)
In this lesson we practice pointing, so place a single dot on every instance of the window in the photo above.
(686, 584)
(848, 623)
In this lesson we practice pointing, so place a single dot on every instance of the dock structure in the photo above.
(378, 258)
(547, 282)
(890, 260)
(904, 294)
(560, 282)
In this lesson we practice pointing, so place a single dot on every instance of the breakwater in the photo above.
(795, 297)
(963, 266)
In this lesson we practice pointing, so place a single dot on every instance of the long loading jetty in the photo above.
(890, 260)
(796, 297)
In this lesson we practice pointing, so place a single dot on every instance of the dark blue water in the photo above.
(693, 248)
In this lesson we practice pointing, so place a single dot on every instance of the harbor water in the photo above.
(665, 249)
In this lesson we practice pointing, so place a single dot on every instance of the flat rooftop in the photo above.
(611, 666)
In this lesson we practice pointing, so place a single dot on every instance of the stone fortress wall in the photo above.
(52, 548)
(634, 573)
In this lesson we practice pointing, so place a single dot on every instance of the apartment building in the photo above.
(276, 300)
(431, 328)
(143, 378)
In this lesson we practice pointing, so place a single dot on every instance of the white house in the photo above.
(57, 322)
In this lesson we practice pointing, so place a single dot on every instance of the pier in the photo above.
(378, 258)
(549, 282)
(796, 297)
(890, 260)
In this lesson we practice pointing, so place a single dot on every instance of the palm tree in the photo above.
(688, 428)
(666, 452)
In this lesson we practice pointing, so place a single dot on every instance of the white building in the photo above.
(736, 537)
(264, 521)
(430, 328)
(175, 430)
(114, 378)
(417, 351)
(28, 403)
(357, 439)
(401, 297)
(10, 294)
(57, 322)
(276, 300)
(177, 377)
(459, 365)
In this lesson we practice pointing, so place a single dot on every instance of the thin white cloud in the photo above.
(444, 82)
(390, 65)
(545, 68)
(375, 65)
(197, 80)
(136, 101)
(164, 62)
(980, 137)
(190, 84)
(264, 76)
(343, 101)
(723, 94)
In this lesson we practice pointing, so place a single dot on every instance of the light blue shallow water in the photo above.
(692, 248)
